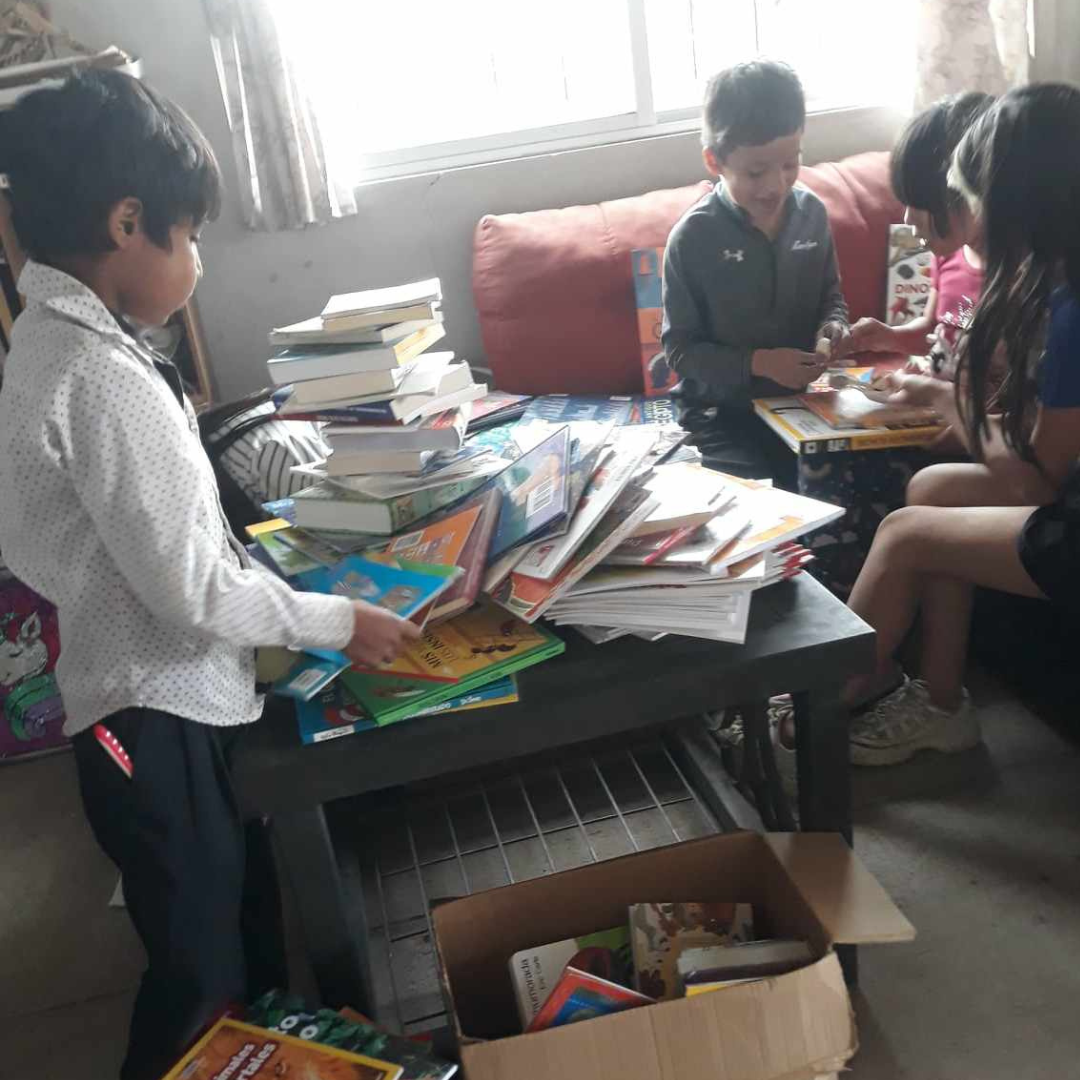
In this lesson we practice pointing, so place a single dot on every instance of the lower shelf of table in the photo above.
(403, 852)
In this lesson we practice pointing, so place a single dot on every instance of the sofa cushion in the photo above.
(555, 294)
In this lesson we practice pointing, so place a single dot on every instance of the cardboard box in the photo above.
(795, 1027)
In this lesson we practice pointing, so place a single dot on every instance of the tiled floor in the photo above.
(982, 852)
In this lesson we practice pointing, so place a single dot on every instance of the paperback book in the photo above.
(581, 996)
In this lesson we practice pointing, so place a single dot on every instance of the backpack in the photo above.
(240, 509)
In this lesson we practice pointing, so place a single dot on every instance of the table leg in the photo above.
(335, 936)
(824, 768)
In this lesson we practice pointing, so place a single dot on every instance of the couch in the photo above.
(555, 296)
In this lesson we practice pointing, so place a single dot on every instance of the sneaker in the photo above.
(779, 709)
(907, 721)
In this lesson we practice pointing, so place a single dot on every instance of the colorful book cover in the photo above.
(648, 269)
(502, 691)
(333, 712)
(548, 557)
(231, 1050)
(536, 493)
(312, 547)
(909, 276)
(440, 542)
(289, 560)
(562, 408)
(473, 558)
(33, 714)
(852, 409)
(346, 1030)
(581, 996)
(655, 411)
(660, 932)
(309, 675)
(530, 597)
(484, 643)
(535, 971)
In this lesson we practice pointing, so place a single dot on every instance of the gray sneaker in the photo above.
(907, 721)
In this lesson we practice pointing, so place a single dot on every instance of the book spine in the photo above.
(676, 537)
(872, 440)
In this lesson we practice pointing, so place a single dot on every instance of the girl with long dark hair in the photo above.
(1009, 520)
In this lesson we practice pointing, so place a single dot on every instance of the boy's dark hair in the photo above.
(751, 104)
(920, 159)
(72, 152)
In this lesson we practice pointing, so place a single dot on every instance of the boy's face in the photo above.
(758, 178)
(154, 282)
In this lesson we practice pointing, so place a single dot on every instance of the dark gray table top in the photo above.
(800, 638)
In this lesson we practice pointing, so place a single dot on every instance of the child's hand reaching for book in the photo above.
(379, 635)
(834, 341)
(872, 335)
(792, 368)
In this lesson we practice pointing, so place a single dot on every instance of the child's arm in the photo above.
(720, 373)
(141, 476)
(872, 335)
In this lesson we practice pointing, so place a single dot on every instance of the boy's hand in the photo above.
(834, 341)
(871, 335)
(792, 368)
(378, 635)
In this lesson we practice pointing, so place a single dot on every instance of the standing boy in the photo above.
(108, 508)
(752, 299)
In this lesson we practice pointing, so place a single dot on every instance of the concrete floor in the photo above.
(982, 852)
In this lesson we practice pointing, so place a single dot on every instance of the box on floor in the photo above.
(798, 1026)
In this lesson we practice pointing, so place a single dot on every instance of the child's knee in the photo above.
(903, 527)
(930, 486)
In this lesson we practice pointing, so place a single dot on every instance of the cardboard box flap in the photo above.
(846, 898)
(794, 1027)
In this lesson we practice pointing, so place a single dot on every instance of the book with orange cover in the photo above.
(580, 996)
(231, 1049)
(849, 408)
(439, 543)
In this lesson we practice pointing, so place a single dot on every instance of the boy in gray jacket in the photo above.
(752, 298)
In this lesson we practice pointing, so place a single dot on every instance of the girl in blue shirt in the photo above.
(1010, 520)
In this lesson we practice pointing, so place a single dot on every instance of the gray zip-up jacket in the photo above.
(729, 289)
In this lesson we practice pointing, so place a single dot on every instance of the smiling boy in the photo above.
(752, 299)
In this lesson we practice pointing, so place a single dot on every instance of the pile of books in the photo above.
(591, 512)
(663, 952)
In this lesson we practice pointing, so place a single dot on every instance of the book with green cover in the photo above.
(334, 507)
(477, 647)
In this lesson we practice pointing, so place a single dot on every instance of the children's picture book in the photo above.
(659, 933)
(232, 1049)
(483, 644)
(530, 597)
(805, 432)
(655, 411)
(331, 713)
(562, 408)
(742, 960)
(908, 282)
(318, 551)
(851, 408)
(536, 493)
(647, 265)
(535, 971)
(309, 675)
(502, 691)
(440, 542)
(290, 561)
(346, 1030)
(547, 558)
(33, 713)
(581, 996)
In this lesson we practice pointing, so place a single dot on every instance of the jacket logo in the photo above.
(804, 245)
(736, 255)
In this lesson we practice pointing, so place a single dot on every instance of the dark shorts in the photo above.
(1050, 548)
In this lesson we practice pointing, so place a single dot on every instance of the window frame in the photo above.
(645, 122)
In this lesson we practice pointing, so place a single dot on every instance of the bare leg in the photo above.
(957, 484)
(914, 548)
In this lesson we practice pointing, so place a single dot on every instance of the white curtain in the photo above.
(279, 153)
(970, 45)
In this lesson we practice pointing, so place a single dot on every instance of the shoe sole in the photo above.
(873, 756)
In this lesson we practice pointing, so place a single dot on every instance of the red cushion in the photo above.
(861, 205)
(555, 294)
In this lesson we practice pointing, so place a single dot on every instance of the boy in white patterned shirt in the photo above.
(110, 510)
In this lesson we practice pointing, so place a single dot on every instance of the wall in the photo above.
(406, 229)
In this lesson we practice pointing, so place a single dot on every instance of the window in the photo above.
(405, 85)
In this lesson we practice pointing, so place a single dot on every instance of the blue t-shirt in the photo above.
(1059, 378)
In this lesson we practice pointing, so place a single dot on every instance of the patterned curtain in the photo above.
(970, 45)
(284, 182)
